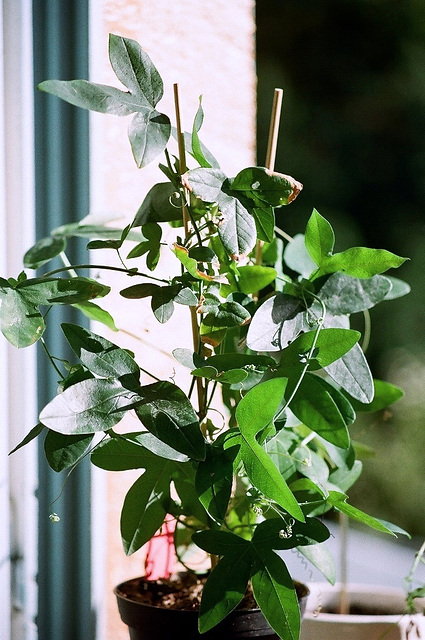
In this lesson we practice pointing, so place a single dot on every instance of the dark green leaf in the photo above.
(315, 407)
(43, 251)
(158, 205)
(275, 594)
(145, 505)
(35, 431)
(214, 478)
(63, 451)
(225, 588)
(169, 415)
(265, 186)
(101, 356)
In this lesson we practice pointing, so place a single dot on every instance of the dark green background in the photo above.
(353, 131)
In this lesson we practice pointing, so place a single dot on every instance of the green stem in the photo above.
(52, 362)
(106, 268)
(310, 355)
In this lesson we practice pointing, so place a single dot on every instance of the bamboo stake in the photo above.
(271, 150)
(183, 169)
(274, 129)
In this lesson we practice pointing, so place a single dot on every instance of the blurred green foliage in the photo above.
(353, 131)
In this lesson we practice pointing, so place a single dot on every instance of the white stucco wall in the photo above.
(209, 49)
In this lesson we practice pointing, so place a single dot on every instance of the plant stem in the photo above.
(53, 363)
(343, 605)
(104, 267)
(193, 317)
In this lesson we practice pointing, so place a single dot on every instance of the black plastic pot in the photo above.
(146, 622)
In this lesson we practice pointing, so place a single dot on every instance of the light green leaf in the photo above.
(351, 372)
(134, 68)
(251, 278)
(361, 262)
(319, 238)
(86, 407)
(96, 97)
(149, 132)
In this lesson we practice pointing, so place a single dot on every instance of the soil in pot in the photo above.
(152, 609)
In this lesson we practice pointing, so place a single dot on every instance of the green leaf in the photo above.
(319, 238)
(43, 251)
(297, 257)
(254, 412)
(224, 588)
(169, 415)
(315, 407)
(96, 313)
(35, 431)
(214, 478)
(343, 295)
(269, 187)
(145, 505)
(276, 323)
(158, 205)
(251, 278)
(322, 559)
(331, 345)
(96, 97)
(63, 451)
(102, 357)
(338, 501)
(267, 534)
(264, 223)
(132, 451)
(190, 264)
(236, 228)
(351, 372)
(86, 407)
(226, 315)
(275, 594)
(384, 395)
(134, 68)
(149, 132)
(20, 321)
(361, 262)
(197, 147)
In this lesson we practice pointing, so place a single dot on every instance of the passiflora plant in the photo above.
(270, 316)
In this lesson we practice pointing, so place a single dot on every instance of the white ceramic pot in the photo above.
(319, 625)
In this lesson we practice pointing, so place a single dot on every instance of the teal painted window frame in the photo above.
(61, 50)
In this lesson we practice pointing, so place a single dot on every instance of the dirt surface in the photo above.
(179, 592)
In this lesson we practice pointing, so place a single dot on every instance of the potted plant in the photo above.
(270, 322)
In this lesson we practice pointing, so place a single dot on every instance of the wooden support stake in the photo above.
(271, 151)
(193, 317)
